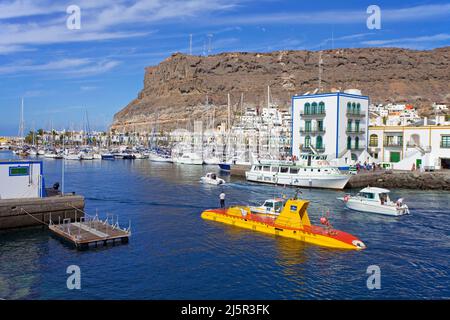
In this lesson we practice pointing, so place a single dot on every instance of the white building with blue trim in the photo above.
(21, 179)
(330, 124)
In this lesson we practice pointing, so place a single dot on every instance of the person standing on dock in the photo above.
(222, 199)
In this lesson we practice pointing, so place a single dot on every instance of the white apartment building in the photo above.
(425, 146)
(330, 123)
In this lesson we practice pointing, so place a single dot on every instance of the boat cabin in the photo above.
(211, 175)
(375, 194)
(21, 179)
(270, 206)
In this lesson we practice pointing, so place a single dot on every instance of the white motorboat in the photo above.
(72, 156)
(86, 156)
(156, 157)
(211, 178)
(270, 207)
(189, 158)
(298, 176)
(53, 155)
(139, 155)
(212, 160)
(375, 200)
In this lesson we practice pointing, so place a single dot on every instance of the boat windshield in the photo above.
(278, 206)
(366, 195)
(268, 204)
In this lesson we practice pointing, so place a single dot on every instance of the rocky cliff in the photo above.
(175, 91)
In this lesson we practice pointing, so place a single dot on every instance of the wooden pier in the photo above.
(90, 231)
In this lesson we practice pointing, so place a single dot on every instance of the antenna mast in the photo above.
(190, 44)
(320, 70)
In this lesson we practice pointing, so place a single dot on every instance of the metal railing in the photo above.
(312, 130)
(355, 114)
(313, 114)
(395, 144)
(355, 131)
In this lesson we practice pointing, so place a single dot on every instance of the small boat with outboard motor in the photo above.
(212, 178)
(375, 200)
(292, 221)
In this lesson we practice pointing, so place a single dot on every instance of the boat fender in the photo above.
(346, 198)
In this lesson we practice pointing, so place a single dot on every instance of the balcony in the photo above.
(306, 148)
(317, 114)
(356, 148)
(312, 131)
(355, 131)
(354, 114)
(393, 144)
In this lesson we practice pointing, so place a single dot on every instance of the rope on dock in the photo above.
(40, 221)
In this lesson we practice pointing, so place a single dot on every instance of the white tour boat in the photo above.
(375, 200)
(211, 178)
(298, 176)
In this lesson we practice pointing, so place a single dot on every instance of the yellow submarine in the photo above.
(287, 219)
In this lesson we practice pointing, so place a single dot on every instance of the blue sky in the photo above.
(61, 73)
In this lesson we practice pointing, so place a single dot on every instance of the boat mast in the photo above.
(21, 123)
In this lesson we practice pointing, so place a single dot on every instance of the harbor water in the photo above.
(174, 254)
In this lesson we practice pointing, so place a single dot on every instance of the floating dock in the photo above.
(90, 231)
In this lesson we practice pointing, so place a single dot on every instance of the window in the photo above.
(349, 125)
(358, 108)
(19, 171)
(445, 142)
(314, 108)
(373, 140)
(353, 107)
(320, 126)
(307, 141)
(349, 143)
(265, 168)
(307, 108)
(357, 143)
(356, 125)
(284, 169)
(349, 107)
(319, 143)
(321, 107)
(294, 170)
(308, 126)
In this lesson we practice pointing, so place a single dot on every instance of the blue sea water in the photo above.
(174, 254)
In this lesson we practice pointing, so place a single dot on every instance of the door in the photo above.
(418, 163)
(395, 156)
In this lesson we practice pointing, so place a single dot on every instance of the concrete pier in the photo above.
(17, 213)
(437, 180)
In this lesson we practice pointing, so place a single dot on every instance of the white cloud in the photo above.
(76, 67)
(335, 17)
(410, 40)
(100, 20)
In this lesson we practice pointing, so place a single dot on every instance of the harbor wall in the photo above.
(38, 210)
(390, 179)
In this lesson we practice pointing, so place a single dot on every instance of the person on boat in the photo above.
(222, 199)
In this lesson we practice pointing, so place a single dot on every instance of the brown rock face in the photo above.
(175, 90)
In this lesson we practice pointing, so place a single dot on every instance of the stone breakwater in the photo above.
(438, 180)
